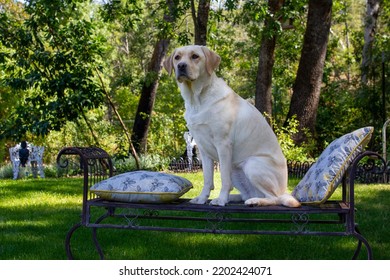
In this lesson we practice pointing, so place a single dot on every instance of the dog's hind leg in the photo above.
(270, 182)
(242, 184)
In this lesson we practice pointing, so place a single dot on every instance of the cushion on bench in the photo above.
(142, 187)
(323, 177)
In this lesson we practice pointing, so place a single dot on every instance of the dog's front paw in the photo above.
(198, 200)
(219, 202)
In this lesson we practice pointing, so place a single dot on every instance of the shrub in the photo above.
(151, 162)
(6, 172)
(291, 151)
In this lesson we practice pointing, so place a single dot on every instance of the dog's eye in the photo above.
(177, 57)
(195, 56)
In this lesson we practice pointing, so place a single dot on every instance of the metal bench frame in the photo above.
(335, 217)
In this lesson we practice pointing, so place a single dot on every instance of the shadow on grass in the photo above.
(19, 188)
(37, 214)
(184, 246)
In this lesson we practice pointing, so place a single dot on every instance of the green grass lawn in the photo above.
(36, 214)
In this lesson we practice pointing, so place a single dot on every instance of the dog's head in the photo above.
(191, 62)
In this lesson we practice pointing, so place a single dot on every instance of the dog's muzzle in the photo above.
(182, 73)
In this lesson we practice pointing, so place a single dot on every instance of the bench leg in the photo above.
(94, 236)
(68, 238)
(94, 233)
(67, 241)
(97, 244)
(364, 241)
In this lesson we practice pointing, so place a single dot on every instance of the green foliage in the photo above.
(153, 162)
(78, 134)
(338, 102)
(6, 172)
(127, 12)
(50, 51)
(291, 151)
(56, 50)
(168, 124)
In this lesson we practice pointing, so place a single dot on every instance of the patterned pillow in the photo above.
(325, 175)
(143, 187)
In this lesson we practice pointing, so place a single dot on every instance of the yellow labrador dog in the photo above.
(228, 129)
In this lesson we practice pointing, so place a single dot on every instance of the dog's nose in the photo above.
(182, 66)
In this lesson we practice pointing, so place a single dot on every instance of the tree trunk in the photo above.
(307, 86)
(148, 96)
(371, 19)
(200, 21)
(149, 90)
(263, 95)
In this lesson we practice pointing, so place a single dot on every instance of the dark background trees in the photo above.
(150, 83)
(80, 72)
(308, 82)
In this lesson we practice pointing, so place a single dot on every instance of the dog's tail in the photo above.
(288, 200)
(285, 199)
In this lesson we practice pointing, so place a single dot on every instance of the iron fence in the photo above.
(368, 172)
(298, 169)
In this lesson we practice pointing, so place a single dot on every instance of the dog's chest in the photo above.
(211, 117)
(207, 128)
(195, 116)
(204, 135)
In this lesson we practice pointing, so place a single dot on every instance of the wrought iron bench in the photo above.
(332, 218)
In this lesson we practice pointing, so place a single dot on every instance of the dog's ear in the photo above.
(168, 63)
(212, 60)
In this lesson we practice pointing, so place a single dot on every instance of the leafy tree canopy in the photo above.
(53, 54)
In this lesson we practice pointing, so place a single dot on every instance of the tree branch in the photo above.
(128, 136)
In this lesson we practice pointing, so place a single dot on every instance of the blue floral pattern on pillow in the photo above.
(323, 177)
(142, 186)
